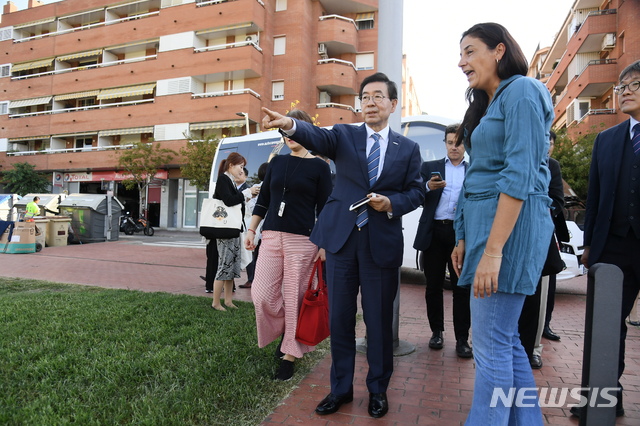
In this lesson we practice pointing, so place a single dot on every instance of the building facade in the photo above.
(83, 79)
(598, 39)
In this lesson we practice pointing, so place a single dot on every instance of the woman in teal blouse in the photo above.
(503, 224)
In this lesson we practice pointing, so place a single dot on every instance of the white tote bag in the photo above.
(219, 221)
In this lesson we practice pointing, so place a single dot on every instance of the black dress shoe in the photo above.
(332, 403)
(577, 411)
(378, 404)
(463, 349)
(535, 361)
(203, 278)
(549, 335)
(436, 341)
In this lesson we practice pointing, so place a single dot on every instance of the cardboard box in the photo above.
(23, 239)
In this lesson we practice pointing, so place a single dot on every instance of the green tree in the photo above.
(199, 161)
(23, 179)
(142, 162)
(575, 159)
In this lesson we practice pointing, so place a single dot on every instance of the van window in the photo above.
(430, 138)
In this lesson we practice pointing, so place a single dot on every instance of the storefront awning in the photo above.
(77, 95)
(217, 124)
(86, 54)
(126, 92)
(229, 27)
(129, 131)
(33, 23)
(28, 138)
(31, 65)
(29, 102)
(74, 135)
(365, 16)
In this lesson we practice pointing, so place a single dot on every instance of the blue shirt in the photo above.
(454, 176)
(508, 154)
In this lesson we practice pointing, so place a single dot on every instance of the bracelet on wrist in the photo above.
(492, 255)
(251, 230)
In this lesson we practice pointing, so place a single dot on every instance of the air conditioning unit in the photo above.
(253, 38)
(609, 41)
(322, 49)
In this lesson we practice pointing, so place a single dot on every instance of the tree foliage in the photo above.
(142, 162)
(574, 157)
(199, 161)
(23, 179)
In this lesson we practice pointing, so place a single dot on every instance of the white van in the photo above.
(257, 148)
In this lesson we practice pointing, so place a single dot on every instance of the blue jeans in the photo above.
(501, 364)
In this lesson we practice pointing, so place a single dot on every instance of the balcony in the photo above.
(598, 77)
(596, 120)
(589, 37)
(338, 34)
(337, 77)
(336, 113)
(344, 7)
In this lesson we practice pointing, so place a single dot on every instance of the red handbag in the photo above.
(313, 321)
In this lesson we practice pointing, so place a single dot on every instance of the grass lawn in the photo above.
(87, 355)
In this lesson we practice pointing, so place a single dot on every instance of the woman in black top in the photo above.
(228, 249)
(294, 191)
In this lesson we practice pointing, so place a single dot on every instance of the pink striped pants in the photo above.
(282, 275)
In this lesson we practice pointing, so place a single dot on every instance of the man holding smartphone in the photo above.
(436, 239)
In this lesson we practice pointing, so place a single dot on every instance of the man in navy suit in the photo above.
(364, 245)
(612, 219)
(436, 239)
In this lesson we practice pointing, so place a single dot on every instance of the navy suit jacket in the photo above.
(400, 181)
(604, 173)
(431, 200)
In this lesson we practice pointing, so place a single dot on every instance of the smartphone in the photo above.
(359, 203)
(436, 175)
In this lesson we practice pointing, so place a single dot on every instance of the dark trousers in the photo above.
(349, 271)
(251, 268)
(435, 259)
(624, 252)
(212, 264)
(551, 300)
(529, 320)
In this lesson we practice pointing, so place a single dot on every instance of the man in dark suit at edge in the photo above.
(612, 218)
(364, 245)
(436, 239)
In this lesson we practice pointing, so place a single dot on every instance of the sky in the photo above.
(432, 31)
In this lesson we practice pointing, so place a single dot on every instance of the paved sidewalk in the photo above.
(428, 387)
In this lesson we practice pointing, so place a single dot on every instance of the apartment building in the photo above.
(598, 39)
(83, 79)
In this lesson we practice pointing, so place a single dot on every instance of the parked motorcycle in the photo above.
(130, 226)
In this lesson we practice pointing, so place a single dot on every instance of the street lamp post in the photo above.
(246, 119)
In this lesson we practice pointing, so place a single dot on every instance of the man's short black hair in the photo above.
(382, 78)
(634, 68)
(451, 128)
(552, 135)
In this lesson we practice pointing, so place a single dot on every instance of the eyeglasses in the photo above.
(376, 98)
(633, 86)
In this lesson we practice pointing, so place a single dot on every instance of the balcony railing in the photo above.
(84, 108)
(86, 27)
(68, 150)
(336, 105)
(602, 12)
(336, 61)
(601, 111)
(597, 62)
(85, 67)
(342, 18)
(228, 46)
(226, 93)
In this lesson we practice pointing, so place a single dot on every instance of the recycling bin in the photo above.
(89, 215)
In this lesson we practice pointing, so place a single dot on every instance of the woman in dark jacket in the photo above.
(228, 248)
